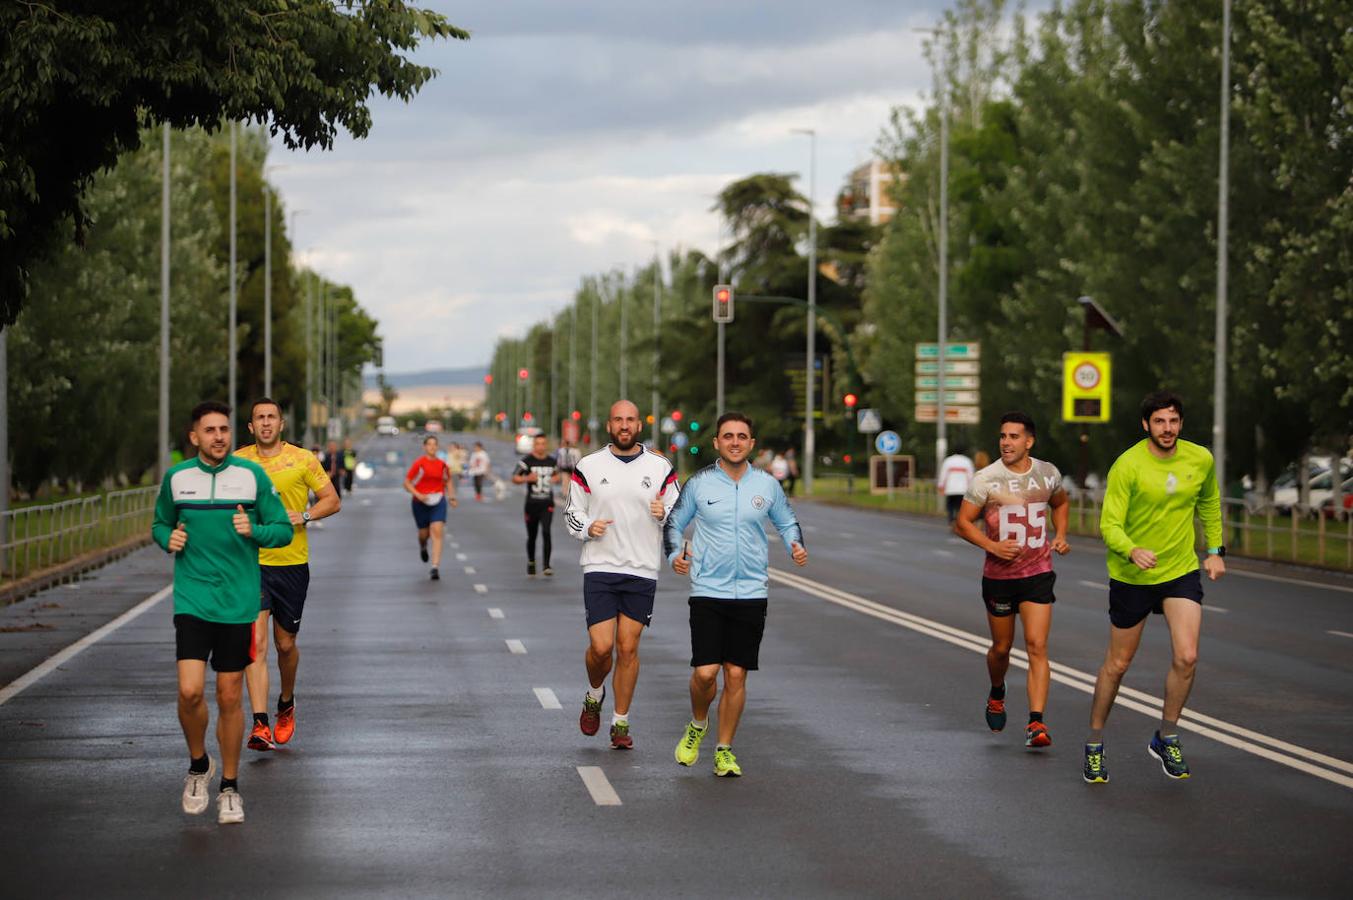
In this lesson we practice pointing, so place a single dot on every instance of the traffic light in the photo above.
(488, 379)
(723, 303)
(676, 415)
(850, 400)
(695, 451)
(526, 417)
(695, 426)
(649, 419)
(575, 415)
(523, 374)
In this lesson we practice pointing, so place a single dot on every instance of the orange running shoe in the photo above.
(995, 714)
(286, 724)
(1036, 735)
(261, 737)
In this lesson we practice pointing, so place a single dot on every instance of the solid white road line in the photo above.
(1279, 578)
(1207, 607)
(1335, 633)
(481, 588)
(1094, 584)
(1291, 755)
(516, 646)
(597, 785)
(547, 698)
(495, 613)
(470, 570)
(38, 672)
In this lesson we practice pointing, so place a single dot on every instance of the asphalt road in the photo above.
(430, 760)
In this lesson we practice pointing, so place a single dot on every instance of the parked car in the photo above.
(386, 425)
(1320, 486)
(433, 426)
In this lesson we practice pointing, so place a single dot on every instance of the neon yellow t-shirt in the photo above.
(295, 472)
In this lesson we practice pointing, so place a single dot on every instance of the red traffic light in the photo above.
(723, 295)
(850, 400)
(846, 459)
(526, 417)
(576, 415)
(488, 379)
(676, 415)
(523, 374)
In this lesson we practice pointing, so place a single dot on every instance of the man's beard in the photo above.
(620, 443)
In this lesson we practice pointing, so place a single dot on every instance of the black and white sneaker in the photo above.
(548, 573)
(435, 576)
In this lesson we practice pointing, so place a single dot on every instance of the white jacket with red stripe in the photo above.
(620, 488)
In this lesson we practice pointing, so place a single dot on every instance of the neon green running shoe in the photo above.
(725, 763)
(688, 748)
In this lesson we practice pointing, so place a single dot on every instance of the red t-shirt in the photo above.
(431, 472)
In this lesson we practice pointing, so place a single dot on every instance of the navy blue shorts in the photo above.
(283, 593)
(425, 515)
(1130, 603)
(608, 594)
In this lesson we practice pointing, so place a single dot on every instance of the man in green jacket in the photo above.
(213, 513)
(1154, 490)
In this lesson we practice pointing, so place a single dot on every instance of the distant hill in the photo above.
(470, 375)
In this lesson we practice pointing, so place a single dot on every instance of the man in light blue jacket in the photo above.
(727, 560)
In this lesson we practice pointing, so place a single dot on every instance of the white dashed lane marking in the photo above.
(1094, 584)
(495, 613)
(516, 646)
(598, 786)
(461, 557)
(481, 588)
(547, 698)
(470, 570)
(1340, 634)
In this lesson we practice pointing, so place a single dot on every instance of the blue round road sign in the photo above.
(887, 443)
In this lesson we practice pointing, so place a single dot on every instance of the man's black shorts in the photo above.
(1130, 603)
(608, 594)
(229, 647)
(727, 631)
(284, 590)
(1004, 595)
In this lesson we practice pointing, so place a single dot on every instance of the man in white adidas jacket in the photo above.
(621, 498)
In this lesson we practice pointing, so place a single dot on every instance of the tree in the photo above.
(78, 83)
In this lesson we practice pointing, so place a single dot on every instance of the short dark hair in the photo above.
(1020, 418)
(430, 437)
(264, 401)
(540, 437)
(732, 416)
(1154, 402)
(208, 406)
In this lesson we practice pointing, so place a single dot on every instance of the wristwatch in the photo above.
(1217, 551)
(305, 515)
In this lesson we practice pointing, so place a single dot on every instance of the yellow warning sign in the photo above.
(1085, 387)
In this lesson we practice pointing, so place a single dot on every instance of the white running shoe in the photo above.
(195, 797)
(229, 807)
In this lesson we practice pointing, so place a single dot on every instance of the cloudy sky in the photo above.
(568, 135)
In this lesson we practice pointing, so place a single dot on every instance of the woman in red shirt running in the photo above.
(429, 480)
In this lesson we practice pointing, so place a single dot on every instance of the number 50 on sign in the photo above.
(1085, 387)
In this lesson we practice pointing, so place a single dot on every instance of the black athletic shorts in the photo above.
(727, 631)
(1004, 595)
(284, 590)
(608, 594)
(229, 647)
(1130, 603)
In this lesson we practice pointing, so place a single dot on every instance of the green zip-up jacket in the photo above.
(1150, 502)
(216, 573)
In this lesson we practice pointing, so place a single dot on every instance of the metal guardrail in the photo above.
(1318, 541)
(33, 538)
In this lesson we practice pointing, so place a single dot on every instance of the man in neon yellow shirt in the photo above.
(1154, 490)
(284, 573)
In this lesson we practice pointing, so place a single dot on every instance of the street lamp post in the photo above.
(267, 291)
(657, 327)
(592, 398)
(233, 303)
(809, 437)
(162, 454)
(719, 391)
(941, 413)
(572, 359)
(624, 356)
(1223, 212)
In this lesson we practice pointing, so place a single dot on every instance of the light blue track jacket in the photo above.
(729, 548)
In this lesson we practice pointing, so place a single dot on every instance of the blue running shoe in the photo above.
(1095, 772)
(1171, 757)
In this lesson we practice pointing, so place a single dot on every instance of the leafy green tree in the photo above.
(79, 82)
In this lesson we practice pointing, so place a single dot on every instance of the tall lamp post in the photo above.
(809, 437)
(162, 457)
(1223, 214)
(657, 327)
(942, 331)
(232, 349)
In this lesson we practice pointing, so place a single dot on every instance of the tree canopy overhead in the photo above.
(79, 79)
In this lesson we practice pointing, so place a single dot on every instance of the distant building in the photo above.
(868, 193)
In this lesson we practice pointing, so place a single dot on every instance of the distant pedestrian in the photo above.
(429, 481)
(623, 495)
(955, 477)
(214, 511)
(779, 469)
(348, 460)
(727, 560)
(1012, 497)
(479, 469)
(568, 457)
(1154, 491)
(792, 459)
(332, 461)
(539, 471)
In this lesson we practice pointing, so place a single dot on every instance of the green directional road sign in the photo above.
(952, 382)
(951, 398)
(951, 367)
(967, 350)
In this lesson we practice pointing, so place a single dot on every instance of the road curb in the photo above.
(29, 585)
